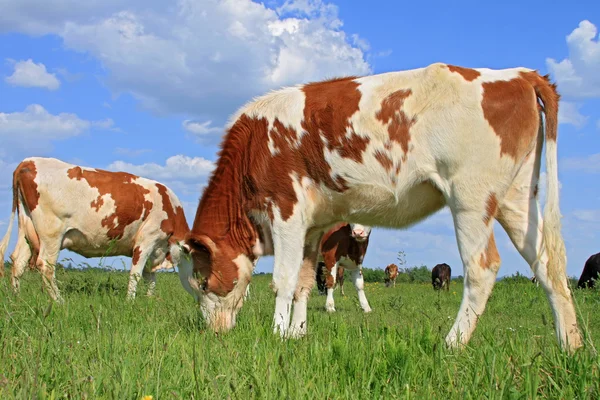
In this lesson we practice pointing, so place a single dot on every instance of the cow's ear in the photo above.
(201, 244)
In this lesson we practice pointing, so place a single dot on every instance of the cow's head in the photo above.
(221, 275)
(360, 232)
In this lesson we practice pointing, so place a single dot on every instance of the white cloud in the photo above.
(201, 58)
(589, 164)
(183, 173)
(568, 113)
(201, 129)
(29, 74)
(35, 128)
(577, 75)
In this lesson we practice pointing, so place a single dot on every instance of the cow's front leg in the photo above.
(359, 283)
(306, 281)
(330, 284)
(288, 246)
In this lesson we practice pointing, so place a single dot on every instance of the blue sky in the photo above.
(145, 86)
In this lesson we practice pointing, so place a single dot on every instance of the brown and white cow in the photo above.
(385, 150)
(344, 247)
(440, 276)
(94, 213)
(391, 273)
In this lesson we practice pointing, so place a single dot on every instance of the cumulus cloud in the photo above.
(568, 113)
(202, 130)
(29, 74)
(577, 75)
(35, 128)
(181, 173)
(185, 57)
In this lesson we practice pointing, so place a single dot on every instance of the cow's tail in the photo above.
(6, 238)
(554, 243)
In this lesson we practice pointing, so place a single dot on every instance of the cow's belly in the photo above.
(381, 206)
(97, 244)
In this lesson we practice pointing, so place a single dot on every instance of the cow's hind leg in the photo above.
(20, 258)
(306, 281)
(521, 219)
(473, 221)
(359, 283)
(46, 263)
(150, 279)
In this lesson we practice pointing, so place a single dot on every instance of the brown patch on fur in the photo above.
(510, 107)
(24, 180)
(467, 73)
(128, 197)
(137, 252)
(97, 203)
(392, 115)
(490, 257)
(175, 225)
(249, 177)
(491, 208)
(385, 161)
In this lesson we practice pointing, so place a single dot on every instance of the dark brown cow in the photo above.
(386, 150)
(590, 273)
(344, 247)
(440, 276)
(391, 273)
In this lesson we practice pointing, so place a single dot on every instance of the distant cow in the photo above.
(440, 276)
(344, 247)
(384, 150)
(391, 273)
(590, 273)
(94, 213)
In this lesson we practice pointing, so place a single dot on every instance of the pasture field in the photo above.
(97, 345)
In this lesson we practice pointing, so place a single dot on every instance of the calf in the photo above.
(386, 150)
(94, 213)
(440, 276)
(391, 273)
(590, 273)
(344, 247)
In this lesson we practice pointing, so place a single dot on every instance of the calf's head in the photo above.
(221, 275)
(360, 232)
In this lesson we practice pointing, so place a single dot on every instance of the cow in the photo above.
(94, 213)
(344, 247)
(440, 276)
(590, 273)
(384, 150)
(391, 273)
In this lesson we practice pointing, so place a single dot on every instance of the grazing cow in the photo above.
(385, 150)
(94, 213)
(344, 247)
(590, 273)
(391, 273)
(440, 276)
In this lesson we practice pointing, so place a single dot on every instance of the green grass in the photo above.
(99, 346)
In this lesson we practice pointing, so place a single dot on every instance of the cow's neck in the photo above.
(222, 214)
